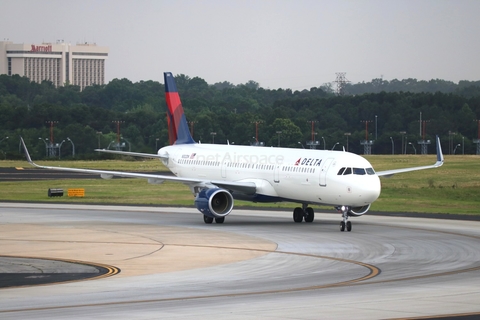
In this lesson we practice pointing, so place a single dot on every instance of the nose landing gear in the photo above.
(345, 224)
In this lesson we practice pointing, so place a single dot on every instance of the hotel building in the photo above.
(82, 64)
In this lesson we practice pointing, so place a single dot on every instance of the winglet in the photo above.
(440, 158)
(29, 159)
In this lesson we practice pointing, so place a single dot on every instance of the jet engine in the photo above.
(214, 203)
(358, 211)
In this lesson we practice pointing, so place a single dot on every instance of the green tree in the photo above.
(291, 134)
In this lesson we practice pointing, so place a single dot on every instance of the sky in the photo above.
(279, 44)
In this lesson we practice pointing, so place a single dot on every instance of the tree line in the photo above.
(239, 114)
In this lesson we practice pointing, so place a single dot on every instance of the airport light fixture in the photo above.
(454, 150)
(415, 149)
(99, 133)
(129, 144)
(73, 147)
(59, 145)
(213, 134)
(347, 134)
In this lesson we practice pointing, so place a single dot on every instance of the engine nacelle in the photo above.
(358, 211)
(214, 203)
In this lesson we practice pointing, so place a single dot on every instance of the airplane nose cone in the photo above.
(372, 191)
(365, 191)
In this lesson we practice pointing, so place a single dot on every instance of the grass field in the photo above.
(453, 188)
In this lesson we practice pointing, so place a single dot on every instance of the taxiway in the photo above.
(258, 264)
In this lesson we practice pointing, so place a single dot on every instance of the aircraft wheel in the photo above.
(298, 215)
(220, 220)
(207, 219)
(309, 214)
(342, 226)
(349, 226)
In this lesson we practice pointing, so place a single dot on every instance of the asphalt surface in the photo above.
(24, 271)
(257, 265)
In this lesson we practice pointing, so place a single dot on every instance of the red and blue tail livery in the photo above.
(177, 122)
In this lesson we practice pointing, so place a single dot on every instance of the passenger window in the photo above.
(347, 171)
(340, 172)
(359, 171)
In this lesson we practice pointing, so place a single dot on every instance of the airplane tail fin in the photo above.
(177, 122)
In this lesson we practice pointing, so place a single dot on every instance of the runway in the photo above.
(257, 265)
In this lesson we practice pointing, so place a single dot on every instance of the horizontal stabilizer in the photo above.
(133, 154)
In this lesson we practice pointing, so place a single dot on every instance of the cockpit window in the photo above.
(359, 171)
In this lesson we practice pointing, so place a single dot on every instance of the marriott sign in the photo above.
(41, 48)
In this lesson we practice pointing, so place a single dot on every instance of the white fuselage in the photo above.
(300, 175)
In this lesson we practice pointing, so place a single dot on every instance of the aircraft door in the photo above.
(224, 169)
(323, 172)
(276, 173)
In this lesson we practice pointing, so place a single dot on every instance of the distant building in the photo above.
(82, 65)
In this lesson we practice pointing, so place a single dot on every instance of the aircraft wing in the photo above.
(133, 154)
(239, 186)
(440, 160)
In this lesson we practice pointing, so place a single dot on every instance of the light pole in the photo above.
(192, 124)
(256, 130)
(73, 147)
(376, 127)
(213, 136)
(458, 145)
(60, 148)
(450, 140)
(4, 152)
(413, 147)
(46, 145)
(279, 133)
(99, 133)
(347, 134)
(301, 144)
(335, 145)
(129, 145)
(403, 144)
(324, 148)
(156, 144)
(393, 146)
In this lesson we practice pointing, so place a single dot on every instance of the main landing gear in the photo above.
(345, 224)
(209, 220)
(304, 212)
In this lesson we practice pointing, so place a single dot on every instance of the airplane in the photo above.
(217, 174)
